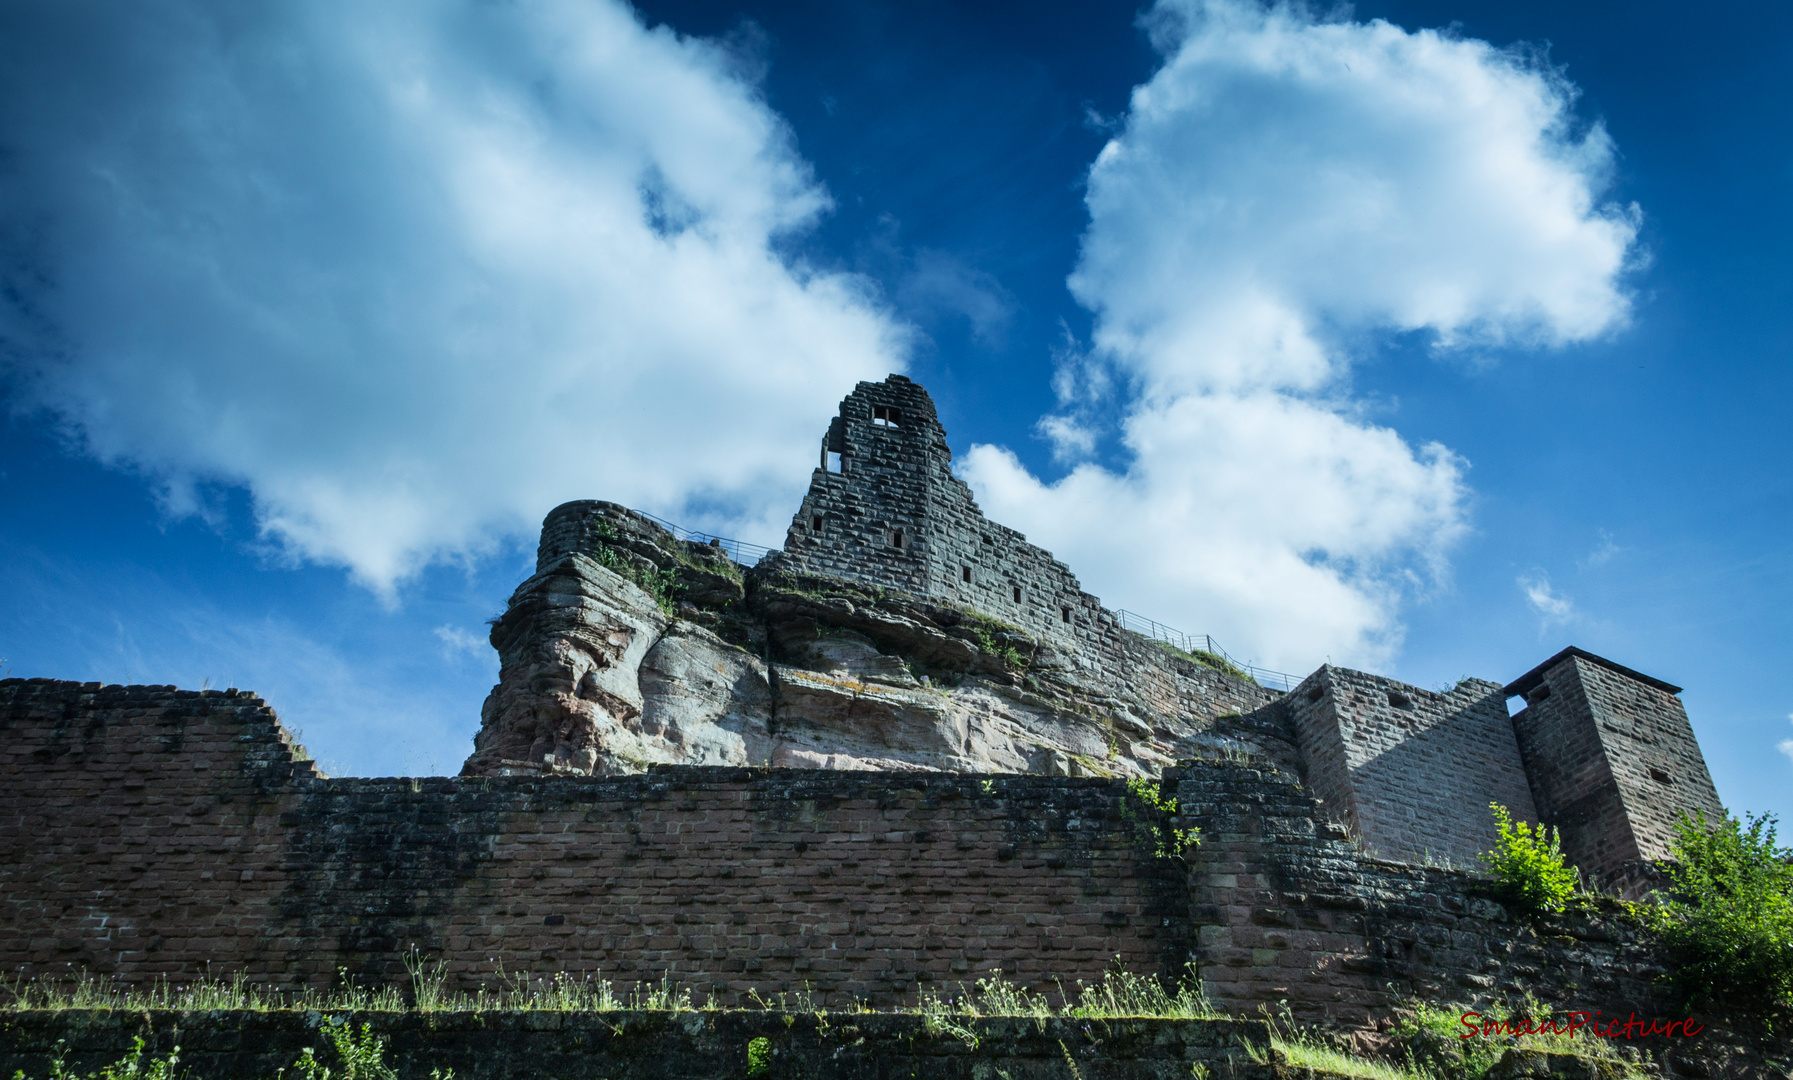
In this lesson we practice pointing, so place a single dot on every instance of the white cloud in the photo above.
(1785, 746)
(1603, 552)
(1552, 609)
(942, 283)
(415, 273)
(1284, 189)
(456, 640)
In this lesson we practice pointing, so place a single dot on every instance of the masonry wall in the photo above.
(139, 827)
(1613, 761)
(896, 476)
(900, 477)
(1411, 771)
(1288, 910)
(146, 831)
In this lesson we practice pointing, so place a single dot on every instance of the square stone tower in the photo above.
(1612, 761)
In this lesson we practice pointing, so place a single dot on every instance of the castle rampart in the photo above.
(899, 628)
(150, 832)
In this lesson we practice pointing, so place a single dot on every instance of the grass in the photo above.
(1443, 1023)
(1207, 659)
(1118, 995)
(561, 992)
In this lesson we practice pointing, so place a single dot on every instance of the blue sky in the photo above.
(1422, 337)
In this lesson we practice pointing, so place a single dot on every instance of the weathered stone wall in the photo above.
(1612, 760)
(895, 477)
(1288, 909)
(147, 831)
(140, 828)
(1411, 771)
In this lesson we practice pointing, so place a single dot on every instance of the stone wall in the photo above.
(140, 828)
(1410, 771)
(1612, 760)
(1288, 909)
(896, 474)
(896, 516)
(146, 831)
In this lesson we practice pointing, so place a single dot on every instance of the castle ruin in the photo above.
(891, 755)
(899, 628)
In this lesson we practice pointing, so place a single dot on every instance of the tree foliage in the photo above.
(1728, 915)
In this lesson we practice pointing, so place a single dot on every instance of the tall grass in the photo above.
(1117, 994)
(560, 992)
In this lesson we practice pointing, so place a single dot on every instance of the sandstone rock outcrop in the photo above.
(630, 648)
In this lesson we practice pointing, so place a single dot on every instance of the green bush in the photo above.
(1528, 866)
(1728, 917)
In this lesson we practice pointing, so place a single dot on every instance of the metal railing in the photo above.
(739, 550)
(1203, 643)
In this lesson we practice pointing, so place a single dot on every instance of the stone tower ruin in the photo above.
(884, 508)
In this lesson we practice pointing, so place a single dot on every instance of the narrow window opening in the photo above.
(884, 416)
(1017, 594)
(1399, 700)
(1064, 613)
(1315, 693)
(896, 539)
(835, 464)
(1661, 776)
(965, 574)
(987, 539)
(1539, 693)
(815, 524)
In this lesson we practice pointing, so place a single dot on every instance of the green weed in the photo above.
(1528, 866)
(1150, 814)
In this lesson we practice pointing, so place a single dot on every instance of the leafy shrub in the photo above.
(1728, 918)
(1528, 865)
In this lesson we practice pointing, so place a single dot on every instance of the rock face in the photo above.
(899, 629)
(629, 648)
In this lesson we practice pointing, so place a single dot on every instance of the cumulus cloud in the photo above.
(1284, 190)
(1553, 609)
(414, 273)
(1785, 746)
